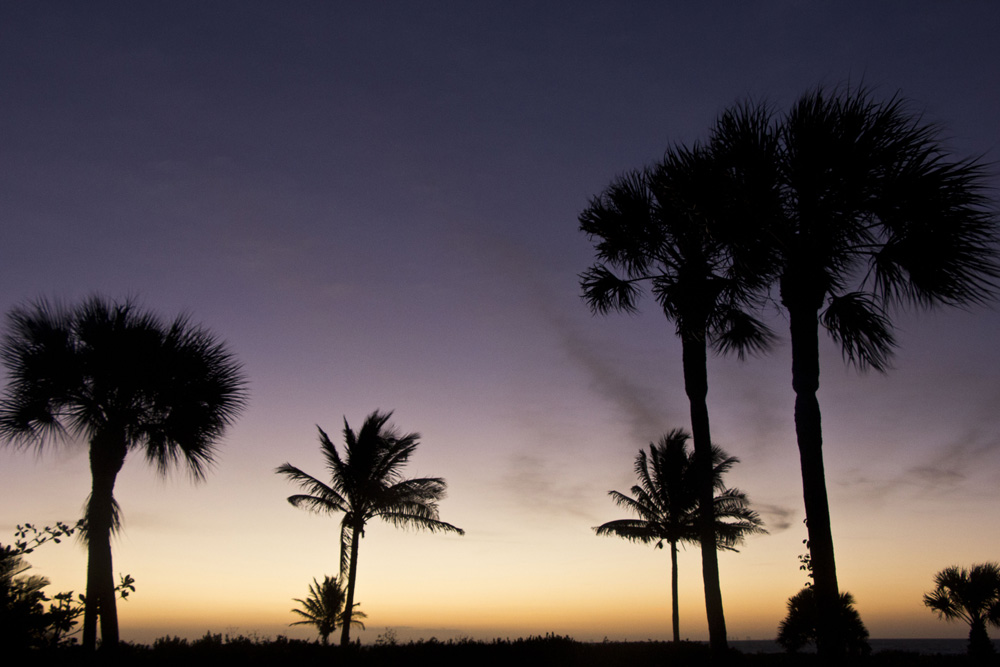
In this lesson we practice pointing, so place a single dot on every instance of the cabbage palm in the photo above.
(799, 626)
(971, 595)
(666, 503)
(122, 380)
(863, 212)
(367, 483)
(670, 227)
(324, 608)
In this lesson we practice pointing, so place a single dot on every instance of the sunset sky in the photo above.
(375, 205)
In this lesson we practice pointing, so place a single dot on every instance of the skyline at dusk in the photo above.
(375, 207)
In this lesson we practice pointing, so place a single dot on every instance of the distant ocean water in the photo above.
(924, 646)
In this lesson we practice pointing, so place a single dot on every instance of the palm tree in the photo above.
(971, 595)
(324, 608)
(666, 502)
(665, 226)
(367, 483)
(799, 626)
(864, 213)
(121, 379)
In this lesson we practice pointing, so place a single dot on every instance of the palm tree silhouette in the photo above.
(971, 595)
(863, 213)
(798, 628)
(324, 608)
(121, 379)
(367, 483)
(666, 502)
(664, 226)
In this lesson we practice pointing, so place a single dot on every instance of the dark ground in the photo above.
(550, 650)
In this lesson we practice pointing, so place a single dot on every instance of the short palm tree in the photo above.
(971, 595)
(324, 608)
(122, 380)
(669, 226)
(666, 503)
(367, 483)
(798, 628)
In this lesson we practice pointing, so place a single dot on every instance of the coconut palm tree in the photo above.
(324, 608)
(971, 595)
(669, 227)
(666, 502)
(367, 483)
(864, 213)
(120, 379)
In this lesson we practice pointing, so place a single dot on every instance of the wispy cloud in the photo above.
(776, 517)
(541, 489)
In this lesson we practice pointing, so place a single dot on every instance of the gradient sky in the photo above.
(375, 205)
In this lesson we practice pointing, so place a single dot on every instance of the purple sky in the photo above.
(376, 206)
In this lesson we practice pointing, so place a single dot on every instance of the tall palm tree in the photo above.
(668, 227)
(864, 212)
(971, 595)
(367, 483)
(324, 608)
(119, 378)
(666, 502)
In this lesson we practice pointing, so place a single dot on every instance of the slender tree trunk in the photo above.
(804, 325)
(696, 385)
(673, 590)
(352, 574)
(107, 454)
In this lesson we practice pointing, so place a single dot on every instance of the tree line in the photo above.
(839, 211)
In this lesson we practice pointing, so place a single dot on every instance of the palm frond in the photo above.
(604, 291)
(862, 329)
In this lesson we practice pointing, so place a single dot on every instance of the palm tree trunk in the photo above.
(352, 573)
(673, 591)
(106, 459)
(695, 362)
(804, 325)
(980, 646)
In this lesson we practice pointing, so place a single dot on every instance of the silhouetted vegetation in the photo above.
(863, 212)
(666, 227)
(973, 596)
(798, 629)
(365, 484)
(24, 620)
(539, 651)
(847, 206)
(324, 608)
(121, 379)
(666, 502)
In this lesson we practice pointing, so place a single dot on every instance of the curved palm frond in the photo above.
(862, 329)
